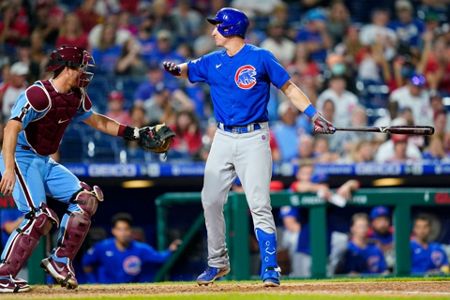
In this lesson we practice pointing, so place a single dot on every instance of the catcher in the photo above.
(38, 121)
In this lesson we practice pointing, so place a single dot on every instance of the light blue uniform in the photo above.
(240, 94)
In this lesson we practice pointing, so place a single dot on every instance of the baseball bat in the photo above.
(411, 130)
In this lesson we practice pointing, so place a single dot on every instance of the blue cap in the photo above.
(379, 211)
(315, 15)
(417, 79)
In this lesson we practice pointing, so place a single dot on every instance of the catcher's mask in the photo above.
(74, 58)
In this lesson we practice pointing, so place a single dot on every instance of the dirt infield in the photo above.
(399, 288)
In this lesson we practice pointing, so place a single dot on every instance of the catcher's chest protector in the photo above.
(45, 134)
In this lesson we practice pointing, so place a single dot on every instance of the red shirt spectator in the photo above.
(14, 24)
(71, 33)
(188, 138)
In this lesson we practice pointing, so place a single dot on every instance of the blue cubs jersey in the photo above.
(240, 84)
(368, 260)
(7, 215)
(427, 259)
(134, 264)
(384, 239)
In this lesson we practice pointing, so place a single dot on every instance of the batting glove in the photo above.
(172, 68)
(322, 125)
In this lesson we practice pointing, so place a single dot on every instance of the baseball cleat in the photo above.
(61, 272)
(13, 285)
(271, 277)
(211, 274)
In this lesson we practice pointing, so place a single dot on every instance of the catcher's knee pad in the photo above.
(37, 223)
(87, 198)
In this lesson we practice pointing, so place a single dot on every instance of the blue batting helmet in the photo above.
(230, 22)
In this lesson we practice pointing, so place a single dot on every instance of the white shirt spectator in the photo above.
(284, 50)
(122, 35)
(370, 33)
(343, 103)
(385, 152)
(252, 7)
(420, 105)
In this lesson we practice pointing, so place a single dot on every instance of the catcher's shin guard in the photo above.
(75, 225)
(23, 241)
(270, 272)
(74, 228)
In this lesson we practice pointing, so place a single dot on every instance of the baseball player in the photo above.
(121, 259)
(240, 76)
(38, 120)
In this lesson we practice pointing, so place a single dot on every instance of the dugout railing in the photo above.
(238, 221)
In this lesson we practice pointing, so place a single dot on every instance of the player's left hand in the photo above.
(156, 138)
(322, 125)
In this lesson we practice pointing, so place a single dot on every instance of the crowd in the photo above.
(383, 63)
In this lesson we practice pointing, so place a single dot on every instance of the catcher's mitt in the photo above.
(156, 138)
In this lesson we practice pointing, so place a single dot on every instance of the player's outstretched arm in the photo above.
(180, 70)
(301, 101)
(103, 123)
(11, 131)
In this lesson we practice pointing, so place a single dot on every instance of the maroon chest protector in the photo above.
(45, 134)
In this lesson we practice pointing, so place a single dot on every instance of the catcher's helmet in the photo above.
(72, 57)
(230, 22)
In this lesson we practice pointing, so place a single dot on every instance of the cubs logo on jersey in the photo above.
(132, 265)
(245, 77)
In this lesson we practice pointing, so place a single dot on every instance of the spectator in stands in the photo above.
(146, 89)
(121, 259)
(276, 42)
(37, 49)
(285, 132)
(71, 33)
(378, 31)
(304, 66)
(415, 96)
(130, 62)
(349, 140)
(115, 108)
(426, 257)
(435, 152)
(407, 27)
(14, 25)
(120, 36)
(315, 36)
(437, 64)
(189, 19)
(398, 149)
(145, 38)
(338, 22)
(363, 152)
(207, 139)
(322, 151)
(305, 150)
(344, 101)
(125, 22)
(49, 18)
(188, 139)
(252, 8)
(16, 85)
(87, 15)
(362, 257)
(164, 103)
(164, 20)
(107, 54)
(23, 54)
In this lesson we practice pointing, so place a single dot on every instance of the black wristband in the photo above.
(129, 134)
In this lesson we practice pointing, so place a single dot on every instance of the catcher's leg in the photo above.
(20, 246)
(254, 169)
(219, 175)
(74, 228)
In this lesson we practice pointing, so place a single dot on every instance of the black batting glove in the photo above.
(172, 68)
(322, 125)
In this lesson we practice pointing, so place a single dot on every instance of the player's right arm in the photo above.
(11, 131)
(29, 106)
